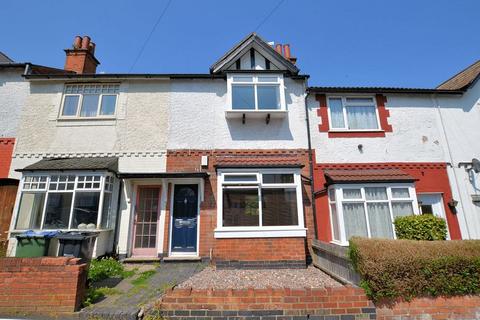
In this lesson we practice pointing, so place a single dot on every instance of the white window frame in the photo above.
(80, 101)
(339, 200)
(256, 83)
(74, 191)
(260, 231)
(345, 118)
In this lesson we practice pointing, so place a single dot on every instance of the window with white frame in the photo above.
(353, 113)
(256, 92)
(368, 210)
(66, 201)
(89, 100)
(260, 200)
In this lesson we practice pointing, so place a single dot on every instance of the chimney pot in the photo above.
(286, 50)
(278, 48)
(77, 43)
(85, 42)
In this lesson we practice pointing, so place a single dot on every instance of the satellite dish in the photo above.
(476, 165)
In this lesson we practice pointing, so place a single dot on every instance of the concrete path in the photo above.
(135, 293)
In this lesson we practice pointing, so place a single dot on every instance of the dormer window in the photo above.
(256, 92)
(353, 113)
(89, 101)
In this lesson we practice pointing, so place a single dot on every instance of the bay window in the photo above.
(256, 92)
(259, 203)
(89, 100)
(66, 201)
(353, 113)
(368, 210)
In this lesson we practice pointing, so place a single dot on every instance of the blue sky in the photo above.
(409, 43)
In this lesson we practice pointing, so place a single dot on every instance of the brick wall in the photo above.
(339, 303)
(6, 150)
(349, 302)
(41, 285)
(240, 249)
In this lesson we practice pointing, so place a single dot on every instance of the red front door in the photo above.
(147, 213)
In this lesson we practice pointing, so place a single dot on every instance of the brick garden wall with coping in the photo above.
(46, 285)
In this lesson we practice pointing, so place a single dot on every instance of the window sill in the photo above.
(69, 122)
(356, 133)
(259, 233)
(256, 114)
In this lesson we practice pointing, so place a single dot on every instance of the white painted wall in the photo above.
(13, 92)
(197, 119)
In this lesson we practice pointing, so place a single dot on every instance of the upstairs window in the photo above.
(256, 92)
(89, 100)
(353, 113)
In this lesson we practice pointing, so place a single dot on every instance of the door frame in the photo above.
(170, 227)
(159, 211)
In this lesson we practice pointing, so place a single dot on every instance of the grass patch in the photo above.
(142, 279)
(96, 294)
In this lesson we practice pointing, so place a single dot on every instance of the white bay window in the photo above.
(66, 201)
(262, 203)
(368, 210)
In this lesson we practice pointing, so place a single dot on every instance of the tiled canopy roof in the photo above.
(60, 164)
(258, 161)
(462, 79)
(370, 175)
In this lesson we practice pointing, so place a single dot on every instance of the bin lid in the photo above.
(76, 235)
(37, 234)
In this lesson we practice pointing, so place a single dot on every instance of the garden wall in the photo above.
(46, 285)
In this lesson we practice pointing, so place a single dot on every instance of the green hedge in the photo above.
(421, 227)
(392, 269)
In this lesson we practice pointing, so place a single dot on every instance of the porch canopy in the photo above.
(249, 161)
(64, 164)
(368, 175)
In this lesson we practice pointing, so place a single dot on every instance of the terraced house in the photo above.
(244, 165)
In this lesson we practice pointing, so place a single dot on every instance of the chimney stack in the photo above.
(285, 52)
(81, 58)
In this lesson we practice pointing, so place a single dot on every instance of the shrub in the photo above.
(105, 268)
(421, 227)
(392, 269)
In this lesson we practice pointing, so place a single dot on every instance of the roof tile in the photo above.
(369, 175)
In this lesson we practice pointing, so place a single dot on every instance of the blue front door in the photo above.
(184, 222)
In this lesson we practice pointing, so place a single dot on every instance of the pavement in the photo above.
(134, 295)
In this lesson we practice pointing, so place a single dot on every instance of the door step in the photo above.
(141, 259)
(182, 258)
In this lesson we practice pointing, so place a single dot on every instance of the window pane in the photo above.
(244, 178)
(335, 225)
(362, 117)
(331, 194)
(267, 79)
(376, 193)
(277, 178)
(89, 105)
(268, 97)
(30, 211)
(359, 100)
(336, 113)
(243, 79)
(400, 193)
(107, 211)
(107, 107)
(354, 219)
(352, 193)
(380, 220)
(240, 207)
(85, 210)
(401, 209)
(279, 207)
(57, 212)
(70, 105)
(243, 97)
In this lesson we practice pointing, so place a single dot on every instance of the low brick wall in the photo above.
(46, 285)
(465, 307)
(332, 303)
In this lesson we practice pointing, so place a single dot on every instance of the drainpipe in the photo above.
(310, 160)
(450, 156)
(117, 221)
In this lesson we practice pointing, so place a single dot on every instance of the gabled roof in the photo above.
(462, 80)
(241, 48)
(4, 58)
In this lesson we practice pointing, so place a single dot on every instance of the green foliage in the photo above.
(392, 269)
(421, 227)
(143, 278)
(105, 268)
(95, 294)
